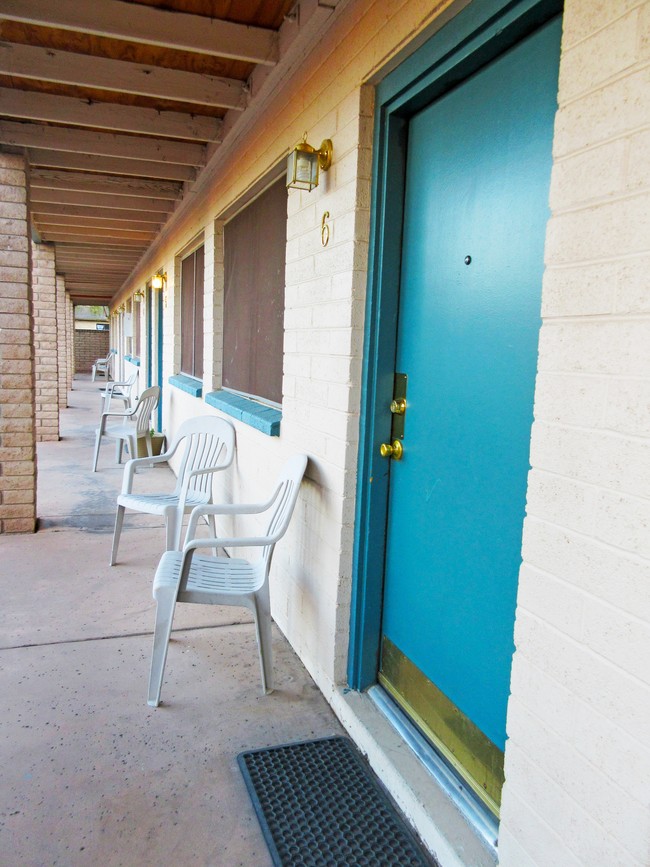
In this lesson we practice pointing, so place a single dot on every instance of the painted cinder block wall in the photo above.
(17, 422)
(578, 758)
(324, 306)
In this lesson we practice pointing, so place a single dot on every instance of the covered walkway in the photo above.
(91, 774)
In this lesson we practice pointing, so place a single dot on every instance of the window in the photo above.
(254, 266)
(192, 314)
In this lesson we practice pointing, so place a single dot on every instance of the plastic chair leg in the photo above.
(93, 373)
(119, 443)
(119, 520)
(212, 524)
(262, 612)
(96, 455)
(166, 602)
(173, 528)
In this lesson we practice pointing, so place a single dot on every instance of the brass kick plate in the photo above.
(476, 759)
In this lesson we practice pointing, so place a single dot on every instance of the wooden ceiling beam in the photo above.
(96, 238)
(77, 248)
(96, 259)
(86, 273)
(109, 165)
(64, 67)
(99, 222)
(101, 143)
(59, 219)
(89, 183)
(128, 204)
(30, 105)
(101, 275)
(125, 236)
(166, 29)
(65, 210)
(94, 255)
(72, 282)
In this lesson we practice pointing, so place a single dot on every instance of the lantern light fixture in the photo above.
(305, 162)
(158, 281)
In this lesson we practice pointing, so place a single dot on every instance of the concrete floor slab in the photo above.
(91, 774)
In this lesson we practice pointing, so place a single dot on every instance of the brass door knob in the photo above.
(393, 450)
(398, 406)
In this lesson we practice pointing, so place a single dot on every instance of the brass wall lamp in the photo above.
(305, 162)
(158, 281)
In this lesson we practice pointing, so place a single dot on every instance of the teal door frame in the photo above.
(478, 34)
(149, 336)
(159, 296)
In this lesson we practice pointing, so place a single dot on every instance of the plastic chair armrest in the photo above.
(128, 413)
(228, 542)
(204, 471)
(131, 468)
(227, 509)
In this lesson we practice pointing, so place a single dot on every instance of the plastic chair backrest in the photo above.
(285, 500)
(123, 391)
(210, 442)
(146, 404)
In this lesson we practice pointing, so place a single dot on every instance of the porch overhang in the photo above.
(124, 111)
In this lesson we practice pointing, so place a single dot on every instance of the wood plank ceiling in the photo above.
(119, 104)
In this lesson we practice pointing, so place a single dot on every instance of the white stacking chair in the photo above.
(102, 365)
(207, 579)
(136, 425)
(208, 445)
(118, 391)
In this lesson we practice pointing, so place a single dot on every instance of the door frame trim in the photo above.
(475, 36)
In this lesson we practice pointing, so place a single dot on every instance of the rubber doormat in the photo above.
(319, 803)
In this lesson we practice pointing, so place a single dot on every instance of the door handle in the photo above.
(393, 450)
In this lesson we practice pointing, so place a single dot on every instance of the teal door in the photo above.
(475, 213)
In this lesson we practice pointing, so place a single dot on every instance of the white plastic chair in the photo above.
(118, 391)
(184, 576)
(209, 446)
(102, 365)
(136, 426)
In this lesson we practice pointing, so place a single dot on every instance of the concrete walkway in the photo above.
(90, 774)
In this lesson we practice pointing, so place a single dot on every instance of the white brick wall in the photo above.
(578, 759)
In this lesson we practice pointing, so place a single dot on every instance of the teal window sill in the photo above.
(263, 418)
(187, 383)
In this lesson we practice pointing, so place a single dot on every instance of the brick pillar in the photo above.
(17, 426)
(69, 340)
(62, 342)
(45, 348)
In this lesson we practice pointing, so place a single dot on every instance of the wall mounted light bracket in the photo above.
(158, 281)
(305, 162)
